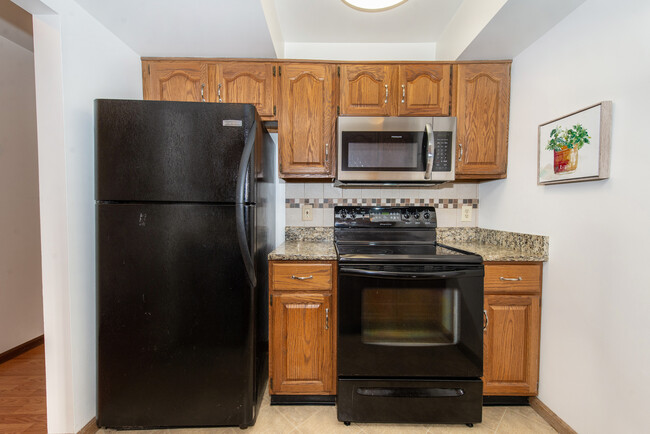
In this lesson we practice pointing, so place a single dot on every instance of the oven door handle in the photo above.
(411, 274)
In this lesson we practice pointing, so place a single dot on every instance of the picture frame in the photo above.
(575, 147)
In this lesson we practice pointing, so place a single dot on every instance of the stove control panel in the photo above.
(385, 216)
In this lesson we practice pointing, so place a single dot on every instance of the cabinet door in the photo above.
(424, 90)
(369, 90)
(246, 82)
(301, 340)
(511, 345)
(482, 106)
(175, 80)
(306, 120)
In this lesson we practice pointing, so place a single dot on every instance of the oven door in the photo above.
(410, 320)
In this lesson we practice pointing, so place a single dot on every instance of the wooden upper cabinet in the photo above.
(245, 82)
(175, 80)
(482, 105)
(368, 90)
(511, 345)
(302, 344)
(306, 120)
(424, 90)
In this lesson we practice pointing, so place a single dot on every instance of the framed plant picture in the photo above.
(575, 147)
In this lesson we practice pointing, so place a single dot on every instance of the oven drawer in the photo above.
(302, 276)
(506, 278)
(410, 401)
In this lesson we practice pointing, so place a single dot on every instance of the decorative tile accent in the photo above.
(332, 202)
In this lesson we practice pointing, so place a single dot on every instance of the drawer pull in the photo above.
(293, 276)
(511, 279)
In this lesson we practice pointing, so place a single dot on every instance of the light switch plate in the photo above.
(466, 215)
(307, 213)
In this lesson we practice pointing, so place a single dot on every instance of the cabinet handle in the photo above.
(386, 100)
(202, 97)
(327, 319)
(460, 155)
(403, 94)
(511, 279)
(485, 324)
(301, 278)
(219, 92)
(327, 152)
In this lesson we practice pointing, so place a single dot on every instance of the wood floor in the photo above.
(22, 393)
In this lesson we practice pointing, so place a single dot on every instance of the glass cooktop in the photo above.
(403, 252)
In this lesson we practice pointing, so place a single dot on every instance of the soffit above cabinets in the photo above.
(327, 29)
(188, 28)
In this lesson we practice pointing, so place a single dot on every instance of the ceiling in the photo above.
(331, 21)
(489, 29)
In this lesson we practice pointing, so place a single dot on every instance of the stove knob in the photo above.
(416, 215)
(426, 214)
(343, 213)
(406, 214)
(352, 215)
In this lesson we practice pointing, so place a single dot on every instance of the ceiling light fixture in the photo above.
(373, 5)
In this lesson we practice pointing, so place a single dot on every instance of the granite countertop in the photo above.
(304, 251)
(306, 244)
(495, 245)
(317, 244)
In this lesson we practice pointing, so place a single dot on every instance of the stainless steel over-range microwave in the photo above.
(396, 149)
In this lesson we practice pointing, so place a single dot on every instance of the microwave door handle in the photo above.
(430, 151)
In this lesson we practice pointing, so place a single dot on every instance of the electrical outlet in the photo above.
(466, 215)
(307, 213)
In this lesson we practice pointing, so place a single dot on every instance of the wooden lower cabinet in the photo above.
(302, 328)
(511, 337)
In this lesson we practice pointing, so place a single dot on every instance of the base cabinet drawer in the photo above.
(302, 276)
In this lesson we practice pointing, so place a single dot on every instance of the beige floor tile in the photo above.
(478, 428)
(492, 416)
(324, 421)
(271, 421)
(529, 413)
(514, 422)
(297, 414)
(390, 428)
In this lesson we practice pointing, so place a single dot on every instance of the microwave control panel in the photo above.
(442, 143)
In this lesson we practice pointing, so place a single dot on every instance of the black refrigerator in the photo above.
(185, 209)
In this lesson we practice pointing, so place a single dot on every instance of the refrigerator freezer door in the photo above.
(171, 151)
(176, 317)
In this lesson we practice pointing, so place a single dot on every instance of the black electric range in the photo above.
(410, 320)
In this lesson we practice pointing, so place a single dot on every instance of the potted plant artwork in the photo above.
(565, 144)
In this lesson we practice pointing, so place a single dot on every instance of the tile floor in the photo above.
(322, 420)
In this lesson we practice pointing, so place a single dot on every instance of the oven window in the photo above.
(409, 317)
(377, 151)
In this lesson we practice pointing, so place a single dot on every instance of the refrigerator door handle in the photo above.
(241, 183)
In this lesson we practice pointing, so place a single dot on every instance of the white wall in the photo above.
(595, 345)
(360, 51)
(21, 301)
(76, 61)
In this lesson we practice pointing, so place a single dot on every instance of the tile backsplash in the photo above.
(448, 200)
